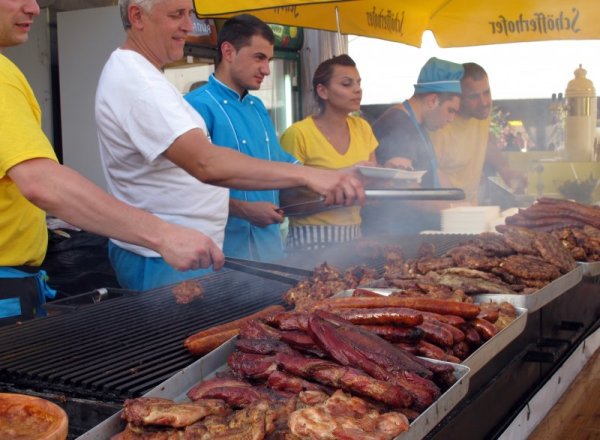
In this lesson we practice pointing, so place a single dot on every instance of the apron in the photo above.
(23, 291)
(427, 141)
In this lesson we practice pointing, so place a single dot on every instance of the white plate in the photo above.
(391, 173)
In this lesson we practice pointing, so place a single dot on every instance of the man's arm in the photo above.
(260, 214)
(226, 167)
(68, 195)
(496, 160)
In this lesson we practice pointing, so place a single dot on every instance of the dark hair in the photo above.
(474, 71)
(442, 96)
(239, 30)
(324, 73)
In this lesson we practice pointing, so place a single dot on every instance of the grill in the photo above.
(360, 252)
(123, 347)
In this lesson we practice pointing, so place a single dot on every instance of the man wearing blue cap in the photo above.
(402, 129)
(402, 132)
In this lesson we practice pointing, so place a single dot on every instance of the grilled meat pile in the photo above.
(327, 281)
(575, 225)
(442, 329)
(309, 375)
(519, 260)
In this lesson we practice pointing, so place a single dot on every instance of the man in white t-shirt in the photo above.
(155, 150)
(33, 182)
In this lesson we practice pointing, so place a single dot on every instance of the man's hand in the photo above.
(187, 249)
(260, 214)
(401, 163)
(515, 180)
(338, 187)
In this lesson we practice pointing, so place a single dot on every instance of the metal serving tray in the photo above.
(176, 387)
(539, 298)
(486, 351)
(590, 269)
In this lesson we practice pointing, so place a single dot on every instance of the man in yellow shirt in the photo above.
(463, 146)
(32, 181)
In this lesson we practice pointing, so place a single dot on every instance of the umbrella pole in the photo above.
(340, 41)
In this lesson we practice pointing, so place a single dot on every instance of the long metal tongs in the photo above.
(272, 271)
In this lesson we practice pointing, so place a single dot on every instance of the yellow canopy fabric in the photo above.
(472, 23)
(208, 8)
(453, 22)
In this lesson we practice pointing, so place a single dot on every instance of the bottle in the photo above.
(580, 126)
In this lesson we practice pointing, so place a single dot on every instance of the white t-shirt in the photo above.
(139, 114)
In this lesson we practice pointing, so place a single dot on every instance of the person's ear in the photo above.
(322, 91)
(433, 100)
(227, 50)
(134, 13)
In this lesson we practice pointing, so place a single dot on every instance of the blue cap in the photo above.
(440, 76)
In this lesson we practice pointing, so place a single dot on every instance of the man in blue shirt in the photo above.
(239, 120)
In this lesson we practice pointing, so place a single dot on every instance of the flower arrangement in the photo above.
(499, 127)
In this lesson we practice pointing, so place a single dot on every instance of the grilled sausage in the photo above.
(458, 335)
(461, 350)
(381, 316)
(205, 344)
(396, 334)
(471, 335)
(197, 341)
(437, 334)
(486, 329)
(443, 307)
(434, 352)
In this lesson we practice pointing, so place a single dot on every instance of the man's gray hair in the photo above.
(146, 5)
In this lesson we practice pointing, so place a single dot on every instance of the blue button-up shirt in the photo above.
(244, 125)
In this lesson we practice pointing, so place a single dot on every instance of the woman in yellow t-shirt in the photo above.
(332, 138)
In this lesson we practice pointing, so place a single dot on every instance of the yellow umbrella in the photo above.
(470, 23)
(453, 22)
(215, 8)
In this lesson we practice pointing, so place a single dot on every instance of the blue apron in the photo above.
(23, 292)
(427, 142)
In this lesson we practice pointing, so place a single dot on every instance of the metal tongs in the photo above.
(301, 201)
(271, 271)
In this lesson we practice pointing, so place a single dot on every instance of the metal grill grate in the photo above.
(121, 348)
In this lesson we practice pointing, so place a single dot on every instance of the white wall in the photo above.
(86, 39)
(33, 58)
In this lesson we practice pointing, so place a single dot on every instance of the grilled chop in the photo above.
(529, 267)
(165, 412)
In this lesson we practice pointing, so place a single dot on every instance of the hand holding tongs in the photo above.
(270, 271)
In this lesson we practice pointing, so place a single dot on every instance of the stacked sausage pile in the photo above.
(442, 329)
(576, 225)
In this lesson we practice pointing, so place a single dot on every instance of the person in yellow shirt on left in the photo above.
(32, 182)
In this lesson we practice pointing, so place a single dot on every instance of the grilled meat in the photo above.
(529, 267)
(199, 391)
(493, 244)
(165, 412)
(554, 252)
(472, 257)
(346, 417)
(519, 238)
(346, 378)
(187, 291)
(470, 284)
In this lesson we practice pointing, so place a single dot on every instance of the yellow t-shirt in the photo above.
(305, 142)
(460, 148)
(23, 232)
